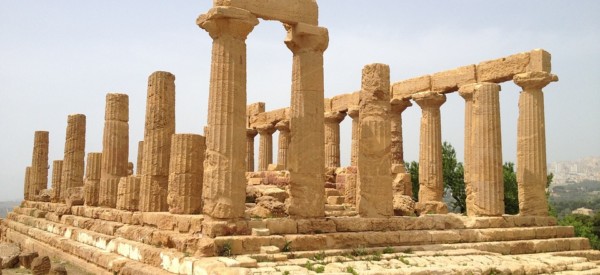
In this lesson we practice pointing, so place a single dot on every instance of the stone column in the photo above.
(186, 172)
(431, 182)
(27, 183)
(466, 92)
(486, 175)
(265, 147)
(250, 134)
(306, 187)
(73, 160)
(140, 158)
(39, 164)
(128, 194)
(93, 174)
(283, 143)
(224, 189)
(353, 113)
(115, 148)
(56, 181)
(531, 143)
(332, 138)
(374, 185)
(397, 107)
(160, 126)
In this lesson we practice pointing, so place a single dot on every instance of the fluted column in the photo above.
(159, 127)
(39, 164)
(466, 92)
(250, 134)
(27, 183)
(374, 185)
(332, 138)
(354, 114)
(73, 160)
(486, 175)
(283, 143)
(115, 148)
(186, 172)
(224, 189)
(128, 193)
(531, 143)
(93, 174)
(140, 158)
(306, 187)
(265, 147)
(397, 107)
(431, 182)
(56, 179)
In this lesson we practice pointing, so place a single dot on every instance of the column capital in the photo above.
(251, 133)
(399, 105)
(265, 129)
(283, 126)
(353, 112)
(334, 117)
(303, 37)
(429, 99)
(231, 21)
(467, 91)
(534, 80)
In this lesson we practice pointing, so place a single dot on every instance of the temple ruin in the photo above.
(196, 204)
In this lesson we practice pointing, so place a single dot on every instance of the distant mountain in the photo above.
(7, 206)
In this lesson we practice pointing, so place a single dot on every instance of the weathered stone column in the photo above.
(397, 107)
(431, 182)
(531, 143)
(186, 172)
(306, 189)
(265, 147)
(93, 174)
(374, 185)
(39, 164)
(73, 160)
(250, 134)
(332, 138)
(140, 158)
(27, 183)
(128, 196)
(283, 143)
(56, 181)
(486, 179)
(224, 188)
(354, 114)
(467, 92)
(160, 126)
(115, 148)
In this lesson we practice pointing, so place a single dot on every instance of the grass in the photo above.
(319, 256)
(351, 270)
(357, 252)
(225, 250)
(287, 247)
(388, 250)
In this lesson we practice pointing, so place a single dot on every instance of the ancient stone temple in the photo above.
(206, 204)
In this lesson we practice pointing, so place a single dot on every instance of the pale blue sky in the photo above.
(61, 57)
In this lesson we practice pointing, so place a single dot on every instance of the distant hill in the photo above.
(7, 206)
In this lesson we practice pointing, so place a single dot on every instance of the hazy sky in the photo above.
(61, 57)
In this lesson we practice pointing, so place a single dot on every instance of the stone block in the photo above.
(26, 258)
(75, 196)
(447, 236)
(40, 266)
(335, 200)
(287, 11)
(307, 242)
(269, 249)
(282, 226)
(353, 224)
(451, 80)
(408, 87)
(315, 226)
(260, 232)
(387, 224)
(539, 61)
(502, 69)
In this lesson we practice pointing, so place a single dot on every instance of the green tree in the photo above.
(584, 227)
(511, 191)
(453, 173)
(413, 169)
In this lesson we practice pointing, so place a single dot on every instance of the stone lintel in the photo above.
(287, 11)
(270, 117)
(451, 80)
(405, 88)
(341, 103)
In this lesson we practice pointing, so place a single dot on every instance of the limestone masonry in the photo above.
(205, 204)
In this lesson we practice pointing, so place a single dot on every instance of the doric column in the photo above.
(332, 138)
(466, 92)
(186, 172)
(265, 147)
(93, 174)
(397, 107)
(225, 183)
(159, 127)
(531, 143)
(74, 157)
(250, 134)
(306, 187)
(140, 158)
(39, 164)
(27, 183)
(128, 193)
(56, 181)
(115, 148)
(486, 176)
(283, 143)
(374, 185)
(431, 182)
(354, 114)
